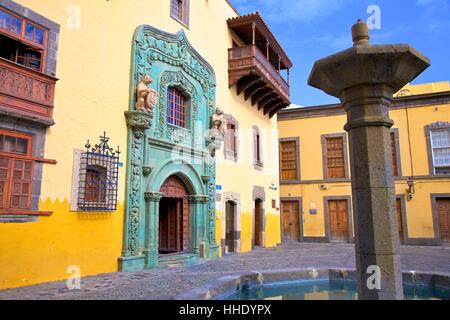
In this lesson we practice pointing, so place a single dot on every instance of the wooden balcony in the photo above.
(255, 65)
(254, 75)
(26, 93)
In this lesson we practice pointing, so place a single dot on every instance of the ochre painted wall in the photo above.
(42, 251)
(418, 211)
(91, 96)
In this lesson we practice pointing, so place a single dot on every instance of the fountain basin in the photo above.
(311, 284)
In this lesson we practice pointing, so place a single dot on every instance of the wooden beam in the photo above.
(253, 89)
(263, 93)
(267, 99)
(245, 83)
(271, 106)
(275, 111)
(269, 102)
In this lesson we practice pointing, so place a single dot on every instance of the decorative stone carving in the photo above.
(218, 122)
(138, 122)
(146, 170)
(198, 199)
(146, 98)
(153, 196)
(172, 62)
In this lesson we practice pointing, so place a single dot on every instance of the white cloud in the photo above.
(292, 10)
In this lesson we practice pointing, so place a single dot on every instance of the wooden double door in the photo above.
(443, 206)
(290, 220)
(338, 220)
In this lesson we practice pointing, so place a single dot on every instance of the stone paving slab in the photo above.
(160, 284)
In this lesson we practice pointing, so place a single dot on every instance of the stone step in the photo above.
(178, 260)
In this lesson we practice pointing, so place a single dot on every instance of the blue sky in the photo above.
(312, 29)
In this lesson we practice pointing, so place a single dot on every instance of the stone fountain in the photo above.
(365, 79)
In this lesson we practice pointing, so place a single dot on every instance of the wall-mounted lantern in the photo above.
(411, 191)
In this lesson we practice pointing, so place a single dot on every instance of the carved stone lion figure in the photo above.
(146, 97)
(218, 121)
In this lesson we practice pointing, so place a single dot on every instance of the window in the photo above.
(335, 161)
(16, 171)
(231, 139)
(231, 149)
(257, 148)
(179, 10)
(335, 158)
(440, 144)
(396, 165)
(22, 41)
(289, 160)
(176, 109)
(95, 184)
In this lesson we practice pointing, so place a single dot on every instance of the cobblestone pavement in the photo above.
(166, 283)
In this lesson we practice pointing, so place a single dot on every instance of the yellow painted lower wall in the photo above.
(273, 229)
(42, 251)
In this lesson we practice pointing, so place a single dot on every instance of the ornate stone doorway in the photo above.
(173, 217)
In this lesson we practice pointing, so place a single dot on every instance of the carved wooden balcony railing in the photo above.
(253, 74)
(26, 93)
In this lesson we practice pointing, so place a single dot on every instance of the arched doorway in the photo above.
(173, 217)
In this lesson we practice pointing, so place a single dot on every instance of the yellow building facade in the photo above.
(316, 195)
(83, 52)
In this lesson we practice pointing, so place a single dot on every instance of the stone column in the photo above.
(132, 257)
(198, 227)
(151, 249)
(365, 78)
(373, 190)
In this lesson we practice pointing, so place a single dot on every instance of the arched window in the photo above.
(176, 108)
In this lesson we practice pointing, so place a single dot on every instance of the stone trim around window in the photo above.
(397, 151)
(185, 19)
(297, 144)
(229, 154)
(37, 151)
(434, 126)
(323, 139)
(258, 165)
(77, 171)
(53, 32)
(349, 218)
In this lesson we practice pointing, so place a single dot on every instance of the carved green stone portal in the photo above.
(158, 150)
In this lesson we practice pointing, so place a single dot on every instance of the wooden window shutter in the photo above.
(288, 157)
(335, 158)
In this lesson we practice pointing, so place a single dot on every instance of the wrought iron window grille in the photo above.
(98, 177)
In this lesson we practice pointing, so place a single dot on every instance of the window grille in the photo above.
(98, 177)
